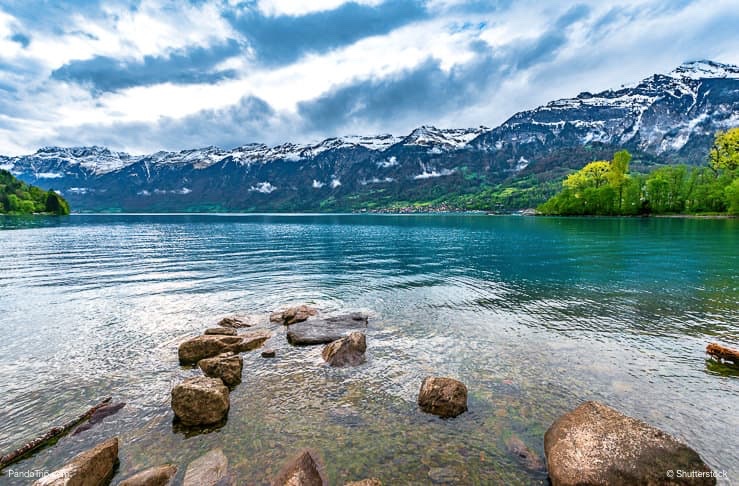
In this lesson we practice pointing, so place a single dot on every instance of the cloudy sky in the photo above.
(147, 75)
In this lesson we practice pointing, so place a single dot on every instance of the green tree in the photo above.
(618, 174)
(593, 175)
(724, 154)
(732, 197)
(665, 189)
(55, 204)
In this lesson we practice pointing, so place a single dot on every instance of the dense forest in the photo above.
(607, 188)
(17, 197)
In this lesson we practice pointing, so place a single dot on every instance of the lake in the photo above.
(535, 315)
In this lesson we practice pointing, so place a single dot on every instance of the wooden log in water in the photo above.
(53, 434)
(723, 353)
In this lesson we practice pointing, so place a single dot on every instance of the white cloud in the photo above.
(389, 162)
(263, 187)
(649, 36)
(154, 28)
(434, 173)
(294, 8)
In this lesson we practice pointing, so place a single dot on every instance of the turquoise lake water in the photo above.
(535, 315)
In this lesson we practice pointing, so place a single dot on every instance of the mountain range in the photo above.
(663, 119)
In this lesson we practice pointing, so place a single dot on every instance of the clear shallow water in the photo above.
(535, 315)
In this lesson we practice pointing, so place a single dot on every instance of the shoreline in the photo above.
(386, 213)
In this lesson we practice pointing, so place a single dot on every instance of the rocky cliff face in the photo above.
(666, 118)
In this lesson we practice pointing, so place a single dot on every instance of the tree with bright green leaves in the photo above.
(593, 175)
(597, 188)
(618, 173)
(724, 154)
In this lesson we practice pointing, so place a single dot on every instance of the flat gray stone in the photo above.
(324, 331)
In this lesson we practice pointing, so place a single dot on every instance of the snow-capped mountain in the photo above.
(442, 139)
(660, 115)
(664, 118)
(56, 162)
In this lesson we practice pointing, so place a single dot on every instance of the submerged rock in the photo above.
(195, 349)
(595, 444)
(220, 331)
(365, 482)
(444, 475)
(445, 397)
(99, 415)
(210, 469)
(234, 322)
(305, 469)
(155, 476)
(348, 351)
(324, 331)
(91, 467)
(268, 353)
(291, 315)
(524, 454)
(200, 401)
(226, 366)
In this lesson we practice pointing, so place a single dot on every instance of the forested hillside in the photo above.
(17, 197)
(607, 188)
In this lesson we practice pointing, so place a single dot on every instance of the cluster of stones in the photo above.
(592, 444)
(345, 343)
(204, 400)
(97, 465)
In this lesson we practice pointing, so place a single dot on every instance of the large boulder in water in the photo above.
(210, 469)
(226, 366)
(90, 468)
(445, 397)
(200, 401)
(195, 349)
(305, 469)
(291, 315)
(324, 331)
(155, 476)
(348, 351)
(595, 444)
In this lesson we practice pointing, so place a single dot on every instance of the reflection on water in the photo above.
(535, 315)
